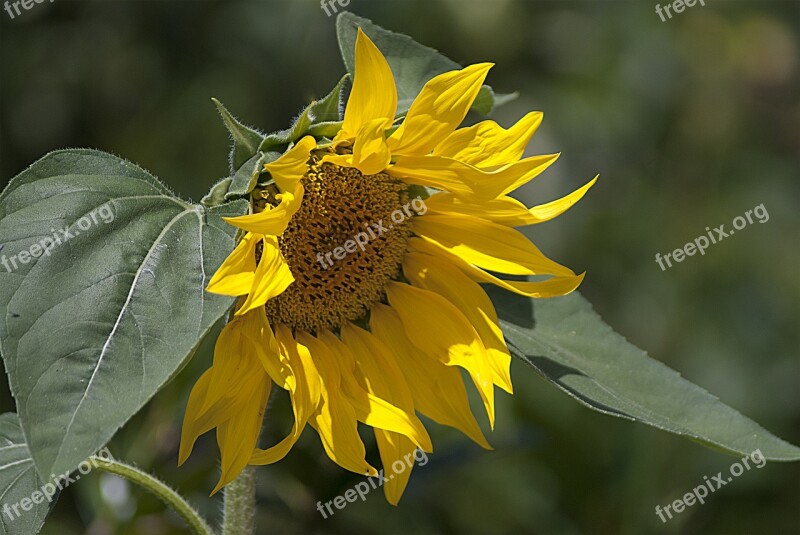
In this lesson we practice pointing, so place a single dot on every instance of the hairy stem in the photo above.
(161, 490)
(240, 504)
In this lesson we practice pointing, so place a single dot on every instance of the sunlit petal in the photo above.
(469, 298)
(451, 339)
(437, 389)
(487, 245)
(505, 210)
(374, 95)
(466, 180)
(438, 110)
(487, 144)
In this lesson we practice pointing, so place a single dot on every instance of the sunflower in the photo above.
(364, 315)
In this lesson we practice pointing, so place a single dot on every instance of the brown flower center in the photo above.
(343, 246)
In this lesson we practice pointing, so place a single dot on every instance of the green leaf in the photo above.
(570, 346)
(246, 140)
(92, 327)
(412, 64)
(19, 481)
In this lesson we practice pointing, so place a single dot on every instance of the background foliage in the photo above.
(691, 122)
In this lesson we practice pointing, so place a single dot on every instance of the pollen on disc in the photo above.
(340, 205)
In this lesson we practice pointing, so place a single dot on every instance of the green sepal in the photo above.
(320, 119)
(487, 100)
(330, 108)
(246, 177)
(216, 195)
(245, 140)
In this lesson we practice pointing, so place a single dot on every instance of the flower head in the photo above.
(364, 316)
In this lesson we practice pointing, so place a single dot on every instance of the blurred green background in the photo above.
(691, 122)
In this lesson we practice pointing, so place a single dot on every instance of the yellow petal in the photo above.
(236, 371)
(555, 286)
(338, 431)
(237, 437)
(234, 360)
(335, 420)
(304, 389)
(487, 245)
(232, 397)
(487, 144)
(369, 408)
(450, 339)
(467, 180)
(271, 279)
(437, 389)
(441, 277)
(197, 422)
(553, 209)
(505, 210)
(374, 95)
(370, 153)
(258, 333)
(235, 276)
(395, 450)
(381, 377)
(274, 220)
(287, 171)
(438, 110)
(292, 165)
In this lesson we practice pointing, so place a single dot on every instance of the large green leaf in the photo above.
(94, 327)
(20, 485)
(570, 346)
(412, 64)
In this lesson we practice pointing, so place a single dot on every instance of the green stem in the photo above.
(240, 504)
(165, 493)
